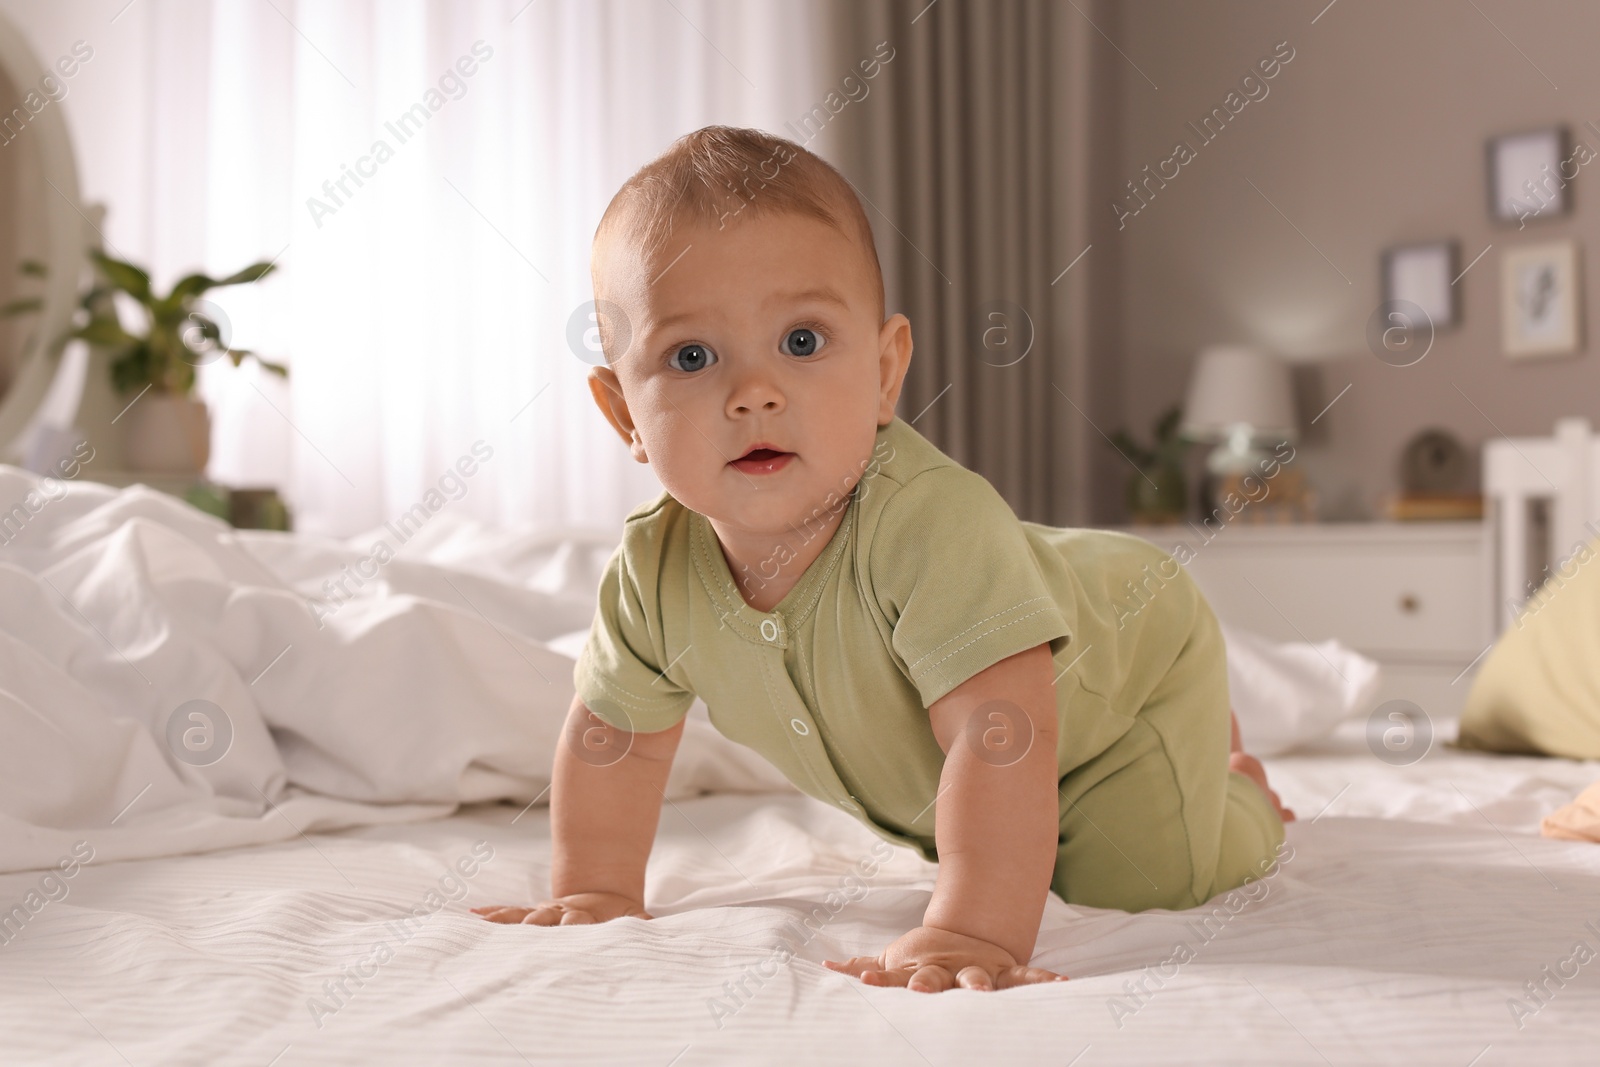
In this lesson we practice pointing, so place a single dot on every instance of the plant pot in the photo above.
(166, 433)
(1157, 495)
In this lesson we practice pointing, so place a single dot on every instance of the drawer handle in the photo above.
(1410, 604)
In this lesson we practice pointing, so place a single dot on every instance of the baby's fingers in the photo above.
(499, 913)
(886, 978)
(855, 966)
(1015, 976)
(542, 915)
(931, 979)
(973, 977)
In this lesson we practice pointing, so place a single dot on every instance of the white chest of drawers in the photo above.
(1416, 597)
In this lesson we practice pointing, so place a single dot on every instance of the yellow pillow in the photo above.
(1539, 689)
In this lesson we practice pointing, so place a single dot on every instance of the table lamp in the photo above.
(1240, 399)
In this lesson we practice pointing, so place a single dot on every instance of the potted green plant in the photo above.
(1157, 491)
(168, 430)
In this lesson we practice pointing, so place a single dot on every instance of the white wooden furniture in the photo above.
(1425, 599)
(1413, 596)
(1544, 499)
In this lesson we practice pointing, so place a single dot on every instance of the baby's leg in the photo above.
(1161, 819)
(1251, 768)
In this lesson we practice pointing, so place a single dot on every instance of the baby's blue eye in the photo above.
(692, 357)
(802, 342)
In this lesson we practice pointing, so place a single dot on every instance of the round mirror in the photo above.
(41, 222)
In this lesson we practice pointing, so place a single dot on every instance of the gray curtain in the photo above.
(972, 148)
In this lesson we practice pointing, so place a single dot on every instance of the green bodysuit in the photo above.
(928, 579)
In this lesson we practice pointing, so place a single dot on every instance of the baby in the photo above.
(863, 611)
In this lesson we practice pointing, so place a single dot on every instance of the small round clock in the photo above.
(1434, 462)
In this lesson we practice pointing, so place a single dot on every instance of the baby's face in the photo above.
(766, 333)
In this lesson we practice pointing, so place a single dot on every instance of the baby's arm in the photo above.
(997, 823)
(603, 814)
(996, 828)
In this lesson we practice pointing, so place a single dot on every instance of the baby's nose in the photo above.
(756, 391)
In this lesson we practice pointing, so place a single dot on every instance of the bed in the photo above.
(1416, 905)
(304, 898)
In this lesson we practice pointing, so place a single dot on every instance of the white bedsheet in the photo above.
(1416, 904)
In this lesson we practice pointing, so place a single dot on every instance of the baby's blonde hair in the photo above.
(719, 174)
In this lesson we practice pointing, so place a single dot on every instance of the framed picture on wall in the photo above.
(1541, 300)
(1421, 274)
(1525, 175)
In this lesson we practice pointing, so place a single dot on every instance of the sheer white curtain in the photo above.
(428, 176)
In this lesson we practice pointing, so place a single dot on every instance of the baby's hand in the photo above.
(930, 960)
(574, 909)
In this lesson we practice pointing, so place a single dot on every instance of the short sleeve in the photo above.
(620, 674)
(956, 577)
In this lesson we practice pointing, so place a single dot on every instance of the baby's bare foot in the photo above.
(1251, 768)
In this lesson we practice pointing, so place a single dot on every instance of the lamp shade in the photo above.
(1235, 387)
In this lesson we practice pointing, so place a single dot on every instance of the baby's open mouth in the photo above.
(762, 460)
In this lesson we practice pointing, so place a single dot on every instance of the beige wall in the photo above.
(1372, 135)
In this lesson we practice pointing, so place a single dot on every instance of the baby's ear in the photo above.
(607, 393)
(894, 358)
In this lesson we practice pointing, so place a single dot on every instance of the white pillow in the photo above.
(1290, 693)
